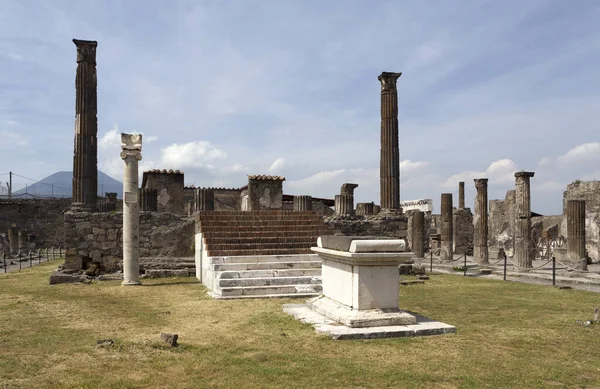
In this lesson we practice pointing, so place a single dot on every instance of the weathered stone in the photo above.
(131, 146)
(418, 234)
(85, 158)
(170, 339)
(302, 203)
(447, 235)
(205, 199)
(364, 209)
(148, 199)
(576, 233)
(58, 277)
(524, 249)
(461, 195)
(480, 238)
(389, 169)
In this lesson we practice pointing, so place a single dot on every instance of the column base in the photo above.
(131, 283)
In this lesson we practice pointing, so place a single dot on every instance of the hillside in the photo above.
(59, 184)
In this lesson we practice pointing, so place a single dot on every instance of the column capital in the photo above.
(388, 81)
(86, 51)
(481, 183)
(131, 145)
(524, 174)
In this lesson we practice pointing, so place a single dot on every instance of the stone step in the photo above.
(249, 214)
(217, 296)
(282, 244)
(266, 266)
(269, 281)
(289, 224)
(269, 290)
(262, 251)
(310, 239)
(249, 233)
(313, 272)
(265, 258)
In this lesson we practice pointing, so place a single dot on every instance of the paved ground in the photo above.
(541, 273)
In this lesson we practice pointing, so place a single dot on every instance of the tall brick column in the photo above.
(576, 232)
(85, 158)
(523, 256)
(389, 169)
(461, 195)
(418, 234)
(480, 238)
(447, 245)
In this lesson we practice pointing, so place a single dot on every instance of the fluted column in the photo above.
(302, 203)
(364, 209)
(148, 199)
(418, 234)
(376, 209)
(205, 199)
(576, 231)
(446, 228)
(523, 256)
(22, 241)
(480, 239)
(344, 205)
(85, 158)
(461, 195)
(131, 146)
(389, 169)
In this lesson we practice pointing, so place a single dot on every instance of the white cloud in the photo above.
(11, 139)
(581, 153)
(499, 172)
(150, 139)
(277, 166)
(407, 166)
(191, 154)
(111, 140)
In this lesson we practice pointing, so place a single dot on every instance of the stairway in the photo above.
(259, 254)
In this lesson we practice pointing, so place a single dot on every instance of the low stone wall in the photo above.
(42, 218)
(97, 238)
(376, 225)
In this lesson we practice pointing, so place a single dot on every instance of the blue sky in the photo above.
(221, 89)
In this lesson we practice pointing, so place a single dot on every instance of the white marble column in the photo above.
(131, 146)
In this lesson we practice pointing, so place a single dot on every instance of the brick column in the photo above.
(523, 256)
(480, 238)
(576, 232)
(418, 234)
(302, 203)
(461, 195)
(389, 169)
(85, 158)
(364, 209)
(447, 248)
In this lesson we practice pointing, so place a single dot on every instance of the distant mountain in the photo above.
(60, 184)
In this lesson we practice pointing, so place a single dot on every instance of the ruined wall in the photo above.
(376, 225)
(98, 238)
(169, 185)
(589, 191)
(227, 199)
(463, 230)
(265, 194)
(41, 217)
(501, 223)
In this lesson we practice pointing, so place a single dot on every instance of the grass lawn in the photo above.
(509, 335)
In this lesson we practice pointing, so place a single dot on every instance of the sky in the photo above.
(223, 89)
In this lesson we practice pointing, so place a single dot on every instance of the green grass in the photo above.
(509, 335)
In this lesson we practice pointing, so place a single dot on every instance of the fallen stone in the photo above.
(58, 277)
(110, 277)
(423, 277)
(412, 282)
(93, 270)
(104, 343)
(170, 339)
(164, 273)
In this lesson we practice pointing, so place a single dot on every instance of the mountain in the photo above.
(60, 184)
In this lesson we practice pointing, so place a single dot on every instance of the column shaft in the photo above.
(205, 199)
(524, 250)
(418, 234)
(461, 195)
(302, 203)
(446, 227)
(131, 154)
(85, 158)
(576, 230)
(480, 238)
(389, 169)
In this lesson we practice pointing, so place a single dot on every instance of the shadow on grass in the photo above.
(173, 283)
